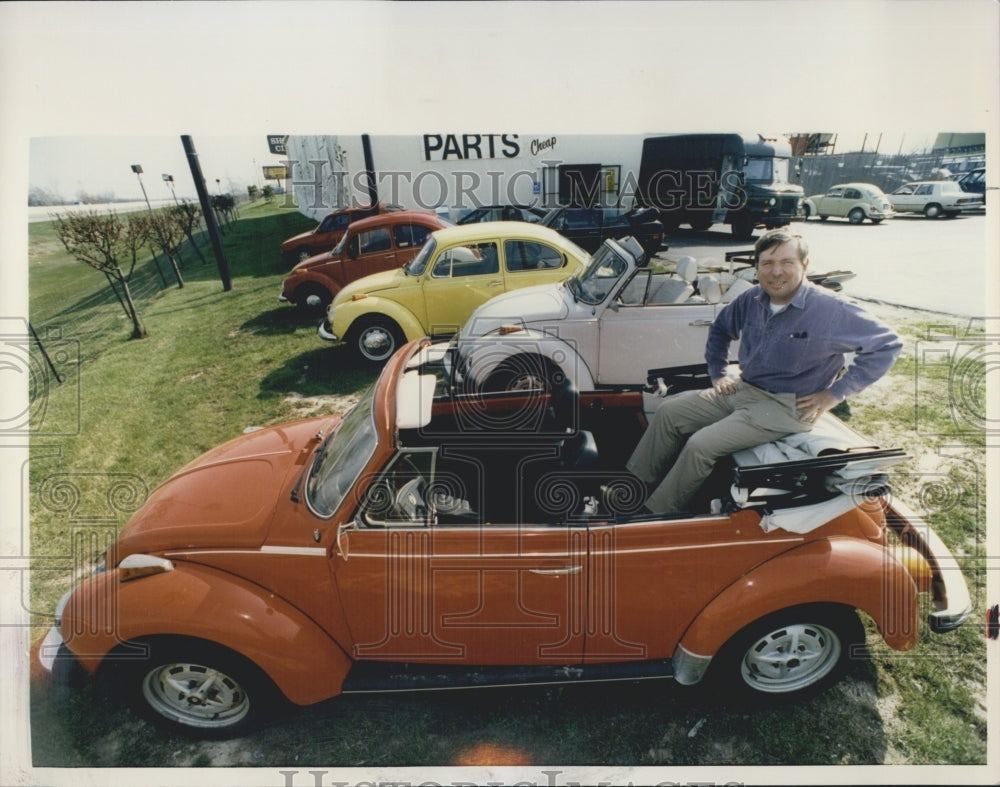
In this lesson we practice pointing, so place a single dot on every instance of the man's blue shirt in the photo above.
(802, 349)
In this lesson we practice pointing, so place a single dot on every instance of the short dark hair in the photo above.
(773, 238)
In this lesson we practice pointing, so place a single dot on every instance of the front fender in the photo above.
(197, 601)
(483, 355)
(855, 573)
(347, 313)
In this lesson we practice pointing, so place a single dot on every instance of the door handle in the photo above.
(496, 283)
(557, 572)
(700, 323)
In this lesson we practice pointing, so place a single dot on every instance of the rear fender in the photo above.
(488, 353)
(195, 601)
(847, 571)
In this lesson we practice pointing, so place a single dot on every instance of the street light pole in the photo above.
(169, 180)
(137, 169)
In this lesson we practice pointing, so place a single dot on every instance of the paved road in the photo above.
(935, 265)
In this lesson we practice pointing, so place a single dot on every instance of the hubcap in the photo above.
(790, 658)
(376, 342)
(195, 695)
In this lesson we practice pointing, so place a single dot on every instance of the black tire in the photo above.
(312, 290)
(524, 372)
(856, 216)
(790, 654)
(375, 339)
(743, 227)
(932, 210)
(198, 688)
(701, 223)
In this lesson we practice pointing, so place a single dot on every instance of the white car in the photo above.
(610, 325)
(935, 198)
(852, 201)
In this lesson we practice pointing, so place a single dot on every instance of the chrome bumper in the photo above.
(952, 602)
(325, 333)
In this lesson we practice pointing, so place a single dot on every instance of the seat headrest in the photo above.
(564, 403)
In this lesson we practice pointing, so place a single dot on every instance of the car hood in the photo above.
(540, 303)
(226, 498)
(375, 282)
(296, 238)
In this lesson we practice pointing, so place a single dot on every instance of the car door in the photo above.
(459, 279)
(584, 226)
(903, 198)
(832, 203)
(424, 576)
(650, 323)
(369, 252)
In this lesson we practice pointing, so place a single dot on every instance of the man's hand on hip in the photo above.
(726, 386)
(812, 406)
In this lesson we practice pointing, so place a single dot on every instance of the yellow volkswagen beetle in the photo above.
(458, 269)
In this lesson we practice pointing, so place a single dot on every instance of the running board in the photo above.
(378, 676)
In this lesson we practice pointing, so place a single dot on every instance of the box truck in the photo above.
(705, 179)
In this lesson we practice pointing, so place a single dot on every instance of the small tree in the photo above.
(268, 193)
(104, 241)
(253, 192)
(188, 215)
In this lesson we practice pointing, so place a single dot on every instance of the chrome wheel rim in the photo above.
(790, 658)
(376, 343)
(195, 695)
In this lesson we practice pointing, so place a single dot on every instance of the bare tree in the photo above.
(104, 242)
(188, 215)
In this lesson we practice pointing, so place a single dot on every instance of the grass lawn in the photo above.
(131, 412)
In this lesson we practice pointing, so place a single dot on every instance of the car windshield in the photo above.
(341, 458)
(593, 283)
(418, 264)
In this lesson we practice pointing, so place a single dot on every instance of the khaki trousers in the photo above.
(716, 425)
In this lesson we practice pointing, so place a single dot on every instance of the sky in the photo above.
(66, 165)
(88, 89)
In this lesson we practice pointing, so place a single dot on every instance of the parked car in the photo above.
(417, 542)
(590, 227)
(503, 213)
(606, 325)
(853, 201)
(378, 243)
(973, 181)
(458, 269)
(328, 232)
(934, 198)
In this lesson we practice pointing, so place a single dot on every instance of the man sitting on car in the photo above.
(793, 339)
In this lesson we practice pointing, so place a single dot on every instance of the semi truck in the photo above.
(705, 179)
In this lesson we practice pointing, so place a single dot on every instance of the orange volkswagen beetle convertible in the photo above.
(428, 540)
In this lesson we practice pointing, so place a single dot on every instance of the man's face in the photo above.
(780, 272)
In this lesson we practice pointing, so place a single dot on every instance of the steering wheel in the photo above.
(409, 503)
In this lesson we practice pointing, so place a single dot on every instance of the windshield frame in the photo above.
(342, 457)
(418, 264)
(584, 283)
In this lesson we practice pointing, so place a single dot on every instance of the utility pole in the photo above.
(206, 210)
